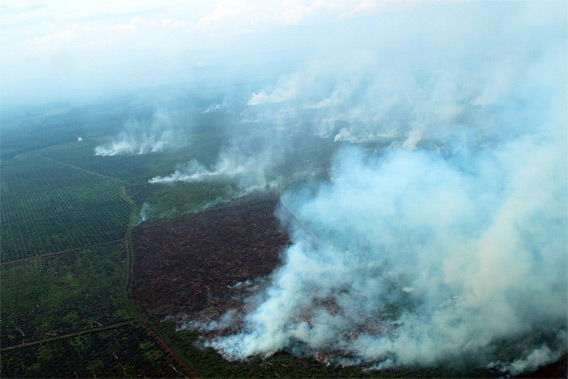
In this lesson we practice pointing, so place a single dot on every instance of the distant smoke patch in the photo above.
(249, 171)
(218, 107)
(212, 108)
(144, 213)
(143, 138)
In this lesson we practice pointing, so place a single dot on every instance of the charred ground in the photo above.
(198, 267)
(193, 266)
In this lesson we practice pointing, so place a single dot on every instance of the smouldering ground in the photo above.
(193, 265)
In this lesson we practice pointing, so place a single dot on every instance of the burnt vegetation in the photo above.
(197, 266)
(85, 291)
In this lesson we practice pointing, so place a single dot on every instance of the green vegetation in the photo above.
(177, 199)
(127, 352)
(48, 207)
(65, 262)
(203, 145)
(32, 173)
(61, 294)
(40, 126)
(66, 255)
(65, 242)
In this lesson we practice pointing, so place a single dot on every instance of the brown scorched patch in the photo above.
(190, 266)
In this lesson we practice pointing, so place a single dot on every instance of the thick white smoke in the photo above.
(145, 137)
(248, 170)
(452, 240)
(420, 257)
(534, 359)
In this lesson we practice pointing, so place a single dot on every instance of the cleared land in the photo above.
(197, 265)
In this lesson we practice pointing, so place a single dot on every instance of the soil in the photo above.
(195, 267)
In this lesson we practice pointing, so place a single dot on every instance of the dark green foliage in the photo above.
(63, 293)
(204, 137)
(128, 168)
(126, 352)
(61, 232)
(48, 206)
(44, 125)
(177, 199)
(42, 129)
(33, 173)
(35, 205)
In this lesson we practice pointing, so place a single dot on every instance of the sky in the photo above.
(67, 48)
(63, 49)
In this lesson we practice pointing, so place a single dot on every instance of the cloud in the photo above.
(126, 45)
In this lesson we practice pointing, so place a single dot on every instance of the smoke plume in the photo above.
(145, 137)
(419, 258)
(454, 238)
(247, 170)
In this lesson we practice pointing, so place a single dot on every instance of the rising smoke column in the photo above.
(142, 137)
(249, 170)
(421, 259)
(448, 242)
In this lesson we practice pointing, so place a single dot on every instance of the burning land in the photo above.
(420, 154)
(202, 265)
(215, 273)
(434, 231)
